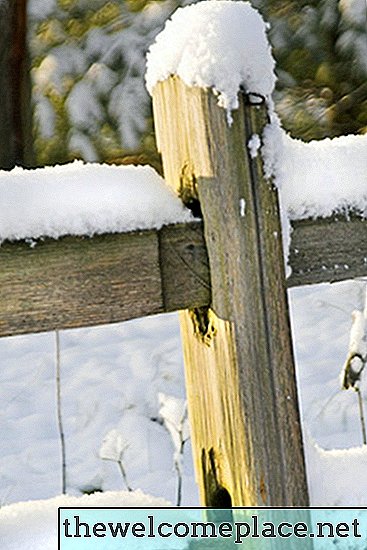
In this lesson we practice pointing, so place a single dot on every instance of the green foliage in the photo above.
(87, 82)
(53, 150)
(321, 62)
(91, 53)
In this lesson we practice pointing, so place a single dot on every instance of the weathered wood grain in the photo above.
(328, 250)
(240, 375)
(75, 281)
(184, 267)
(43, 288)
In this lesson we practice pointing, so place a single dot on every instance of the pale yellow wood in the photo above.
(219, 438)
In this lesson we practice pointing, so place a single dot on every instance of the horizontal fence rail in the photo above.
(74, 281)
(328, 250)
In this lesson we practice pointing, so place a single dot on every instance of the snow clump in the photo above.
(220, 45)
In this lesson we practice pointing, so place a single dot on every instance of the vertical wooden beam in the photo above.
(16, 140)
(20, 84)
(7, 138)
(238, 355)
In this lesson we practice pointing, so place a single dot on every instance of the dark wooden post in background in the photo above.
(16, 136)
(21, 87)
(239, 365)
(7, 141)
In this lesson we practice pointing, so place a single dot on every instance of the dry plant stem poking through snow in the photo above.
(174, 414)
(361, 415)
(59, 413)
(113, 448)
(356, 360)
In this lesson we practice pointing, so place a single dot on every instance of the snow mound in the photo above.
(33, 525)
(220, 45)
(318, 178)
(336, 477)
(314, 179)
(85, 199)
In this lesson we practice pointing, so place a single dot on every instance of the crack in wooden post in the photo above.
(203, 321)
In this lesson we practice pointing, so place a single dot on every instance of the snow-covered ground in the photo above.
(111, 377)
(33, 525)
(336, 460)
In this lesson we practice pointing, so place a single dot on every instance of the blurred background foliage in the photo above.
(321, 52)
(88, 65)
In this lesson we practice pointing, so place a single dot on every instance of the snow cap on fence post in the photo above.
(219, 44)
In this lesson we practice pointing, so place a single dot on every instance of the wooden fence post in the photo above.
(239, 365)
